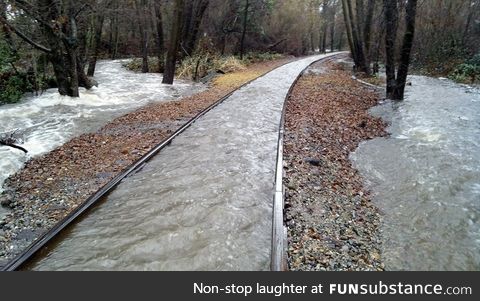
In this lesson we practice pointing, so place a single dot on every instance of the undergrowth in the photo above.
(198, 66)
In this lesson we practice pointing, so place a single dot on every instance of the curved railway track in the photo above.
(279, 231)
(278, 255)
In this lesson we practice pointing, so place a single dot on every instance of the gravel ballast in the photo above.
(332, 223)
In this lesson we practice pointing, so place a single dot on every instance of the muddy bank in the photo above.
(51, 186)
(332, 223)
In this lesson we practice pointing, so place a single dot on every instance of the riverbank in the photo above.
(332, 222)
(51, 186)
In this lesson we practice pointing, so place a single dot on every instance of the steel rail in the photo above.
(20, 260)
(25, 256)
(279, 230)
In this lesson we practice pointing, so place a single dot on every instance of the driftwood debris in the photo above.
(2, 143)
(11, 141)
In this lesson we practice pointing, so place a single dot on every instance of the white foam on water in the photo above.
(49, 120)
(432, 158)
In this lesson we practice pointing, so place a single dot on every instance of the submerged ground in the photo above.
(52, 185)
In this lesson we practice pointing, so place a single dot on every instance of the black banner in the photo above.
(242, 286)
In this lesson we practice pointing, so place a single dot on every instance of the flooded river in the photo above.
(426, 177)
(49, 120)
(203, 203)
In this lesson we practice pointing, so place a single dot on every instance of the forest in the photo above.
(53, 43)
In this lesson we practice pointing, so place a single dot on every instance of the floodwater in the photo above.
(203, 203)
(426, 177)
(49, 120)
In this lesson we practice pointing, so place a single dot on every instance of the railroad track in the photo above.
(47, 238)
(279, 231)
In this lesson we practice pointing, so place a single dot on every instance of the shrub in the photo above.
(468, 72)
(12, 88)
(135, 64)
(259, 57)
(202, 65)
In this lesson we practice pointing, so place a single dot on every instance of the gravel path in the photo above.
(332, 223)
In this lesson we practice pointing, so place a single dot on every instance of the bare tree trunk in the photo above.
(160, 39)
(187, 26)
(99, 20)
(340, 40)
(244, 31)
(391, 18)
(174, 43)
(367, 32)
(361, 62)
(199, 12)
(71, 44)
(410, 17)
(224, 43)
(468, 23)
(324, 27)
(359, 18)
(83, 80)
(114, 31)
(142, 24)
(332, 27)
(348, 28)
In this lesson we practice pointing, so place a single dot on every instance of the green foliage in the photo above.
(12, 89)
(468, 72)
(12, 86)
(6, 55)
(475, 60)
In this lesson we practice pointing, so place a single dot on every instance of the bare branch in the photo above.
(24, 37)
(2, 143)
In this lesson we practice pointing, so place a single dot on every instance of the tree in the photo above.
(244, 30)
(333, 14)
(396, 82)
(194, 13)
(140, 8)
(159, 34)
(324, 27)
(98, 29)
(353, 24)
(58, 24)
(367, 30)
(174, 43)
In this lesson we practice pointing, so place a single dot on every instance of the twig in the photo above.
(13, 146)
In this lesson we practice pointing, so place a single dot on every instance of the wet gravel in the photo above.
(332, 223)
(49, 187)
